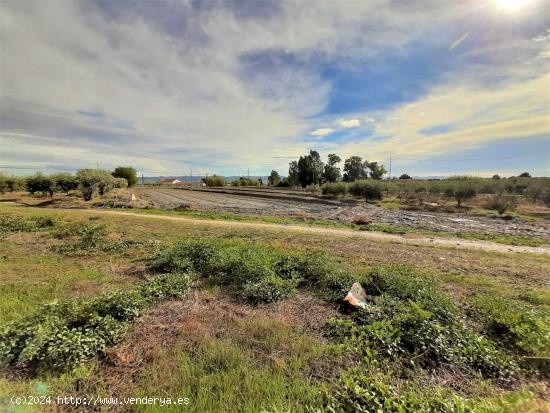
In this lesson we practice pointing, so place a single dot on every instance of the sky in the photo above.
(227, 87)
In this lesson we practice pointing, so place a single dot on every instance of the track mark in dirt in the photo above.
(378, 236)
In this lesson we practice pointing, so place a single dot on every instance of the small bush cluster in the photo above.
(61, 336)
(335, 189)
(501, 202)
(256, 274)
(361, 390)
(411, 319)
(11, 223)
(10, 183)
(367, 189)
(214, 180)
(520, 326)
(88, 238)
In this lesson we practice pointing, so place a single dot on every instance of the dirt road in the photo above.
(378, 236)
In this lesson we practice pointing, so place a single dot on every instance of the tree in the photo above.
(376, 171)
(65, 182)
(127, 172)
(292, 179)
(92, 180)
(40, 183)
(355, 168)
(274, 178)
(366, 189)
(11, 183)
(310, 169)
(331, 172)
(496, 176)
(405, 176)
(524, 175)
(214, 180)
(460, 191)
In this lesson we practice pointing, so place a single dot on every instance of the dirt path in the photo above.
(379, 236)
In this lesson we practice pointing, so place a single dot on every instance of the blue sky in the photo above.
(443, 87)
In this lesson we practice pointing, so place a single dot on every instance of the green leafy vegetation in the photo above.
(61, 336)
(89, 238)
(11, 223)
(214, 180)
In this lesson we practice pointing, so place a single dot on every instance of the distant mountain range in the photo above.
(195, 178)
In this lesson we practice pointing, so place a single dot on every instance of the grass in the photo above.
(231, 370)
(255, 363)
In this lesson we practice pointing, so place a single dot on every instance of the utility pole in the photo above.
(191, 174)
(142, 179)
(248, 171)
(390, 169)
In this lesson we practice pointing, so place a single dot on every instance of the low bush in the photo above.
(255, 273)
(367, 189)
(40, 183)
(10, 183)
(520, 326)
(313, 189)
(360, 390)
(409, 318)
(11, 223)
(87, 238)
(61, 336)
(501, 202)
(214, 180)
(334, 189)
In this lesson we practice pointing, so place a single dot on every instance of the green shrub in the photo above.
(65, 182)
(61, 336)
(501, 202)
(11, 223)
(516, 324)
(128, 173)
(410, 317)
(40, 183)
(87, 238)
(94, 180)
(214, 180)
(361, 390)
(10, 183)
(334, 189)
(255, 273)
(367, 189)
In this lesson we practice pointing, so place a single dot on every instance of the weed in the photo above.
(87, 238)
(11, 223)
(61, 336)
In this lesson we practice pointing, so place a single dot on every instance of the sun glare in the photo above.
(511, 5)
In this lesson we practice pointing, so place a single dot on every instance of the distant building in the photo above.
(169, 181)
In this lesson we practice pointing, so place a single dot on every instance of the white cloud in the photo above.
(322, 132)
(167, 98)
(348, 123)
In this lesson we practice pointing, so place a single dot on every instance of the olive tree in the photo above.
(40, 183)
(65, 182)
(127, 172)
(367, 189)
(92, 180)
(460, 191)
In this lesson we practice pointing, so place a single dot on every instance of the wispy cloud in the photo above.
(169, 85)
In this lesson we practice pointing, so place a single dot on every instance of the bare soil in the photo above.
(266, 202)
